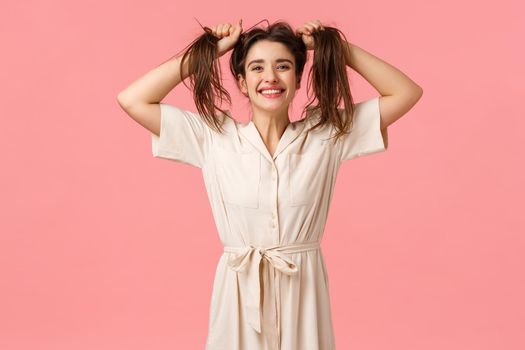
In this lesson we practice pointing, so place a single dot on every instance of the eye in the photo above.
(282, 65)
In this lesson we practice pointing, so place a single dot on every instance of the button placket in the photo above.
(275, 188)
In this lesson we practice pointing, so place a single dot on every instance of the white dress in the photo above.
(271, 287)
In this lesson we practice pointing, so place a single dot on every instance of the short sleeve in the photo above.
(184, 136)
(366, 136)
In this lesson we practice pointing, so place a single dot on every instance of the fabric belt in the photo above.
(246, 261)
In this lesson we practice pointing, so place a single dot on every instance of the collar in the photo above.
(292, 131)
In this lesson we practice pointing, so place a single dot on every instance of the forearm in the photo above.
(385, 78)
(153, 86)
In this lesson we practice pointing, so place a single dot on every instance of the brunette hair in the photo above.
(327, 75)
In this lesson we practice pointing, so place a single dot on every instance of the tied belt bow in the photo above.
(246, 262)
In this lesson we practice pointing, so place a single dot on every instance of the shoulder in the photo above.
(313, 117)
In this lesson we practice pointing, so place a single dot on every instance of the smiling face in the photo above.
(269, 64)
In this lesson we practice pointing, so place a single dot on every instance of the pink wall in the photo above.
(96, 234)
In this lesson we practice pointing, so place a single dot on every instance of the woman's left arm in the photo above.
(398, 92)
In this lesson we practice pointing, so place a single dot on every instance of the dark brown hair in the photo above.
(327, 76)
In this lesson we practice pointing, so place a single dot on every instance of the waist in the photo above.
(285, 248)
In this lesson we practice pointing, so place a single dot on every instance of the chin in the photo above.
(273, 106)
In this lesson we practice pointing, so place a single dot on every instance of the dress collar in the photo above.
(292, 131)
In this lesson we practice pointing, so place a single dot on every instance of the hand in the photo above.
(228, 35)
(306, 32)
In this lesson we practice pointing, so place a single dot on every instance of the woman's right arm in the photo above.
(141, 99)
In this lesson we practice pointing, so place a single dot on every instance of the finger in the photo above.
(219, 30)
(226, 29)
(316, 24)
(215, 30)
(238, 27)
(302, 30)
(314, 27)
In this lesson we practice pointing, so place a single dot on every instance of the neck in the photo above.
(271, 125)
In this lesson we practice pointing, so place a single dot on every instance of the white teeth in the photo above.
(271, 92)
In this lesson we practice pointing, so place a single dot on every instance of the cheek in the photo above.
(252, 86)
(292, 78)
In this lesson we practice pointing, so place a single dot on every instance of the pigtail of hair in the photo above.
(205, 77)
(330, 80)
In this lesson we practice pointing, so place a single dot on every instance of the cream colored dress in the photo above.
(271, 286)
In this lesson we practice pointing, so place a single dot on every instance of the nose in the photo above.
(270, 75)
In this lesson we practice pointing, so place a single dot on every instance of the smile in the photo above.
(271, 93)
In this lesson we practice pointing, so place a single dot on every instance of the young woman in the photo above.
(270, 180)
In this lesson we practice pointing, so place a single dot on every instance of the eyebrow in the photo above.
(277, 60)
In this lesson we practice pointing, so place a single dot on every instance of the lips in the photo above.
(272, 88)
(271, 95)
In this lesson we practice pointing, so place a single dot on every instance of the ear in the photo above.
(242, 84)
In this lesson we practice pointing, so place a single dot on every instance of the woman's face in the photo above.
(269, 64)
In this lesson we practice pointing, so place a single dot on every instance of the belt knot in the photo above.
(245, 261)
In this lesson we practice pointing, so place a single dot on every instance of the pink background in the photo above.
(103, 246)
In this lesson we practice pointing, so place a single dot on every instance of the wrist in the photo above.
(220, 53)
(348, 50)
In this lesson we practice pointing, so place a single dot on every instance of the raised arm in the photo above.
(398, 92)
(141, 99)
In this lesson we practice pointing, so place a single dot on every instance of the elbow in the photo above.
(416, 93)
(413, 95)
(419, 91)
(122, 101)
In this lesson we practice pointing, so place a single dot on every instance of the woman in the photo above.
(270, 180)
